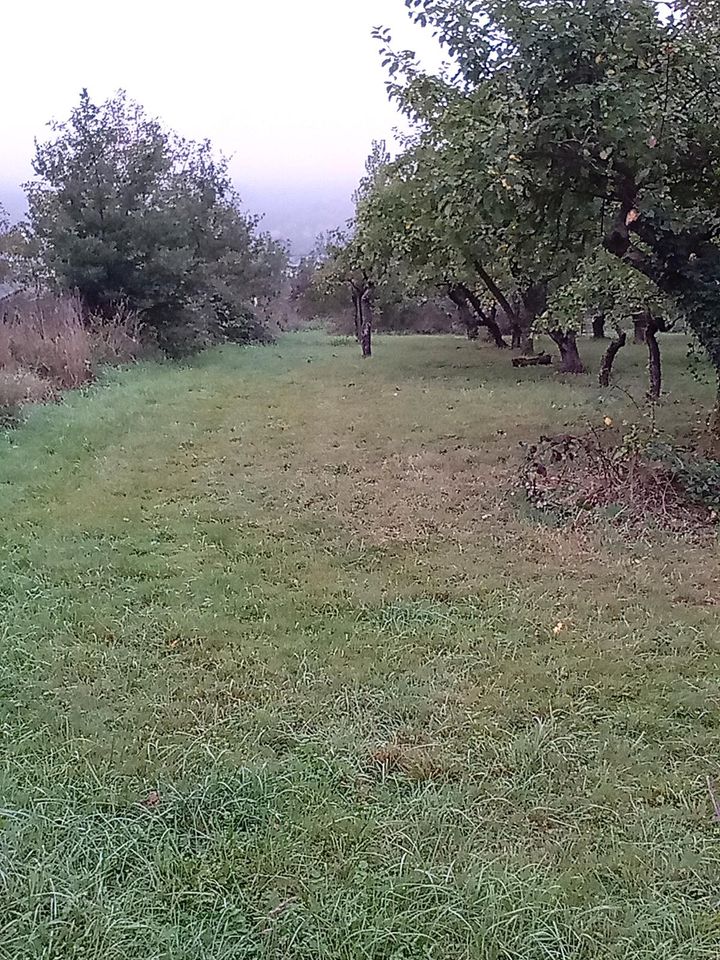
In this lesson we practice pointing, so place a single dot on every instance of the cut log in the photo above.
(541, 360)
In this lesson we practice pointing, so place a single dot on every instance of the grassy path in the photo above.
(279, 676)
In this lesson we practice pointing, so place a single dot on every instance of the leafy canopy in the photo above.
(126, 212)
(599, 117)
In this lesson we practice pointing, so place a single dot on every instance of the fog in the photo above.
(292, 92)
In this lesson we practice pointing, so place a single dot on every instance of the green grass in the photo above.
(292, 594)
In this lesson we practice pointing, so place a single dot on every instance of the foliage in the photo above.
(343, 263)
(476, 195)
(599, 112)
(319, 289)
(698, 477)
(126, 212)
(18, 255)
(604, 284)
(398, 225)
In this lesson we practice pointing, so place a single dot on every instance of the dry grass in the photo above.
(22, 386)
(408, 497)
(47, 345)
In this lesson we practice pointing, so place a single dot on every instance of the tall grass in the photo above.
(48, 345)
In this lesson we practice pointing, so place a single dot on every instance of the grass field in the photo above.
(279, 675)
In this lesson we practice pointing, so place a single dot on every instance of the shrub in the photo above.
(698, 477)
(642, 475)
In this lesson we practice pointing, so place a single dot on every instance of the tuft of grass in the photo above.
(285, 673)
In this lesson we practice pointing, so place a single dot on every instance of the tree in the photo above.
(399, 224)
(125, 211)
(342, 266)
(5, 249)
(472, 134)
(353, 262)
(19, 264)
(620, 295)
(609, 106)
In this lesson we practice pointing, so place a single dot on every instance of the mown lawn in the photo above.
(279, 676)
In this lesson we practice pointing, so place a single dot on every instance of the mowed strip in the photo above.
(288, 670)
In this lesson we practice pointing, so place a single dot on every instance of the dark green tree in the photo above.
(125, 211)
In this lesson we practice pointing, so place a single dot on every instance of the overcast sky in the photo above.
(293, 89)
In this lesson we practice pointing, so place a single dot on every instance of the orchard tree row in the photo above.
(565, 164)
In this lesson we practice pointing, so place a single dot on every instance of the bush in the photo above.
(698, 477)
(640, 475)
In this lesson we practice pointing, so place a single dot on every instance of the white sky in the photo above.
(293, 89)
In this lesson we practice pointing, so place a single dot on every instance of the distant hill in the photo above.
(289, 212)
(300, 213)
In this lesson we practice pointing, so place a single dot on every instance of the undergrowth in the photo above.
(642, 474)
(47, 346)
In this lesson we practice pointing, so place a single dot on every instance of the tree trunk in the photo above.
(533, 304)
(684, 264)
(570, 361)
(714, 425)
(496, 334)
(609, 359)
(496, 292)
(528, 345)
(484, 319)
(640, 330)
(366, 324)
(470, 321)
(493, 328)
(598, 328)
(357, 310)
(523, 340)
(654, 361)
